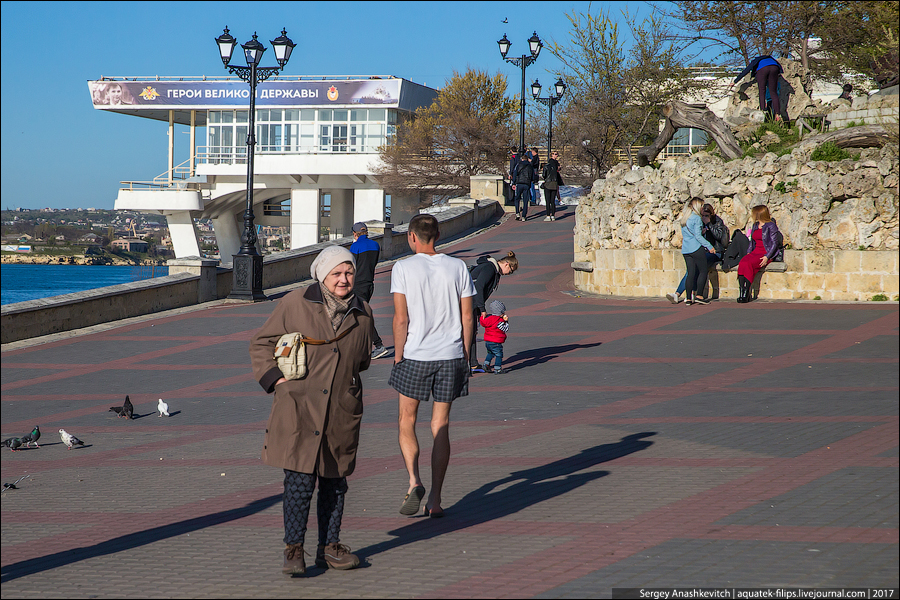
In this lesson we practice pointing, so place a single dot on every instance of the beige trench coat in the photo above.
(314, 424)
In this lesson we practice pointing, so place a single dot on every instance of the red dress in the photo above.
(749, 265)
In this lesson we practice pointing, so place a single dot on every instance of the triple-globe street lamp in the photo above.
(535, 45)
(560, 88)
(248, 262)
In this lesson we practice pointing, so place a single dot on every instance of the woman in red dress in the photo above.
(765, 246)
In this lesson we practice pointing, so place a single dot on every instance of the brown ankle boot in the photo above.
(294, 564)
(336, 556)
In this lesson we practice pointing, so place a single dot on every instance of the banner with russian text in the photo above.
(210, 94)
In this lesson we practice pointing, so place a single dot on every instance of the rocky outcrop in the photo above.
(845, 205)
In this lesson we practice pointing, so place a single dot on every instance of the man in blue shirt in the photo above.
(366, 252)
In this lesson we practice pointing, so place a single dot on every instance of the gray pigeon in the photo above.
(163, 408)
(117, 410)
(128, 408)
(12, 443)
(33, 437)
(69, 439)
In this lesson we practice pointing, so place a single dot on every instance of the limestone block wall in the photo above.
(839, 220)
(809, 275)
(881, 107)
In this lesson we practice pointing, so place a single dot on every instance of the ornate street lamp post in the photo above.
(560, 87)
(535, 45)
(248, 262)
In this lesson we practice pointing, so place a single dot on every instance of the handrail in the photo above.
(178, 172)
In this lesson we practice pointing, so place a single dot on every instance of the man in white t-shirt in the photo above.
(433, 329)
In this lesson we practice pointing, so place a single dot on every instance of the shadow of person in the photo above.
(133, 540)
(512, 494)
(536, 356)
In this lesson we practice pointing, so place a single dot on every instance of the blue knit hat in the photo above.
(497, 308)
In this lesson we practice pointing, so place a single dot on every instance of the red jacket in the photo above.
(495, 328)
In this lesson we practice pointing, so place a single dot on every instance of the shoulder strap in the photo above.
(313, 342)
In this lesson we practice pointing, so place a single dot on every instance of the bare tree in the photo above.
(465, 132)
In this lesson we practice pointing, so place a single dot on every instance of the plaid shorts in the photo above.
(447, 380)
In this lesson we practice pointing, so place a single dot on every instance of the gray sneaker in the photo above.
(674, 298)
(379, 351)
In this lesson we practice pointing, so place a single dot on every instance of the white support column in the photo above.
(368, 205)
(193, 142)
(305, 221)
(228, 236)
(184, 235)
(342, 211)
(171, 145)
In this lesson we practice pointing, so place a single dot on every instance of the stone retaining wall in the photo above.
(881, 107)
(192, 281)
(808, 275)
(839, 220)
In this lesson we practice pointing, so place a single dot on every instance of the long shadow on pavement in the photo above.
(532, 486)
(536, 356)
(133, 540)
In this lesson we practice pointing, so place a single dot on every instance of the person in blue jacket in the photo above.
(766, 70)
(366, 252)
(694, 248)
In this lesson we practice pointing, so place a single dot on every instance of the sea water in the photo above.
(19, 283)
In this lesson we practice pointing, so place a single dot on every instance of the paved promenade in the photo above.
(631, 444)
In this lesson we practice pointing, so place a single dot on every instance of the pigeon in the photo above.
(12, 443)
(14, 486)
(126, 410)
(33, 437)
(163, 408)
(69, 439)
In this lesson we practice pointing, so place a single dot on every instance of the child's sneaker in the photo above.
(498, 371)
(487, 367)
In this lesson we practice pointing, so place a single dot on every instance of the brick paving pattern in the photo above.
(632, 443)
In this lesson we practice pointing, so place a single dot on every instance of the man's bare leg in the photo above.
(409, 444)
(440, 453)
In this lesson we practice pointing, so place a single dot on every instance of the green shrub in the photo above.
(817, 298)
(879, 298)
(829, 151)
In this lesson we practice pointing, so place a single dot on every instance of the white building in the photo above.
(317, 141)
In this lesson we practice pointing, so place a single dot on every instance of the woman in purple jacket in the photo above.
(765, 246)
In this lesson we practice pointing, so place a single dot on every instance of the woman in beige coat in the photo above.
(313, 430)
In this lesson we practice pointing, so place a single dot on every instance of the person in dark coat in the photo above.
(766, 70)
(486, 277)
(366, 253)
(523, 177)
(313, 429)
(552, 182)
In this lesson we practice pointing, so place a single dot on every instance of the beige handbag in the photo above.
(290, 353)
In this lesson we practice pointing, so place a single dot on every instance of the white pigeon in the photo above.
(163, 408)
(69, 439)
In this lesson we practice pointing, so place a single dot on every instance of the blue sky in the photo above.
(58, 151)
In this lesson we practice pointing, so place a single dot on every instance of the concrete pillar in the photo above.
(368, 205)
(171, 146)
(305, 217)
(204, 267)
(184, 234)
(341, 211)
(228, 236)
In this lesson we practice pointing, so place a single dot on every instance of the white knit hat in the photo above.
(328, 259)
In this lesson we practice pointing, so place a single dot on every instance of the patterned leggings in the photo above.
(298, 491)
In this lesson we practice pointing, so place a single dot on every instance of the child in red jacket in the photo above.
(495, 324)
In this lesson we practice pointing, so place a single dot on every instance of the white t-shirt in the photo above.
(433, 286)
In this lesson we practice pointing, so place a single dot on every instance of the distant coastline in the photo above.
(78, 259)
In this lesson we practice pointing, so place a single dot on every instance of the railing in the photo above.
(181, 172)
(161, 182)
(234, 155)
